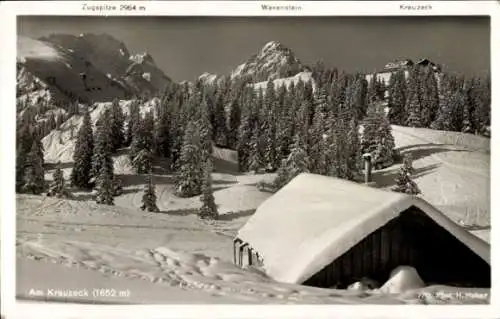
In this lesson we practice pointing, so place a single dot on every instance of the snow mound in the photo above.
(239, 198)
(402, 279)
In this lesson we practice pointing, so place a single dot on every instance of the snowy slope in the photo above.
(452, 170)
(177, 250)
(209, 78)
(59, 145)
(447, 165)
(160, 258)
(384, 76)
(302, 76)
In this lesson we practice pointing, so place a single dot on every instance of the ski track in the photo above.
(205, 274)
(163, 266)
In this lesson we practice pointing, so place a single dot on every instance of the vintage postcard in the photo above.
(197, 159)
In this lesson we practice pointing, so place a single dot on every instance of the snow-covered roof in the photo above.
(315, 219)
(399, 64)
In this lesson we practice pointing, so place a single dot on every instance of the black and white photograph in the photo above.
(312, 160)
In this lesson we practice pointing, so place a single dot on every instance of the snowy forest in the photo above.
(321, 126)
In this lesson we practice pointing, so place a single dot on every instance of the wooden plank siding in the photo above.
(410, 239)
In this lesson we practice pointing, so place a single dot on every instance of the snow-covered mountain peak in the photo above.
(89, 67)
(272, 45)
(208, 78)
(273, 61)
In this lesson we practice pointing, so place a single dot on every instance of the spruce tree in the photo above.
(191, 174)
(467, 117)
(149, 196)
(21, 158)
(219, 125)
(268, 128)
(380, 90)
(481, 99)
(234, 124)
(413, 102)
(133, 120)
(451, 111)
(255, 161)
(24, 143)
(378, 139)
(208, 209)
(284, 128)
(58, 187)
(142, 143)
(444, 112)
(245, 129)
(117, 126)
(317, 148)
(105, 187)
(404, 183)
(117, 187)
(82, 156)
(430, 98)
(414, 110)
(373, 89)
(142, 162)
(358, 92)
(459, 103)
(205, 131)
(339, 95)
(103, 147)
(162, 136)
(296, 163)
(353, 145)
(176, 132)
(397, 99)
(337, 152)
(35, 179)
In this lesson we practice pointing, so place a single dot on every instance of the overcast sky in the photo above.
(185, 47)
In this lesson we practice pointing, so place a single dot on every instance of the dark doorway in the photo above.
(412, 239)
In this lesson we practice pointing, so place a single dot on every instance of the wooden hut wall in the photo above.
(411, 239)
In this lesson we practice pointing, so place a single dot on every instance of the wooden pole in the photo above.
(234, 252)
(249, 250)
(368, 167)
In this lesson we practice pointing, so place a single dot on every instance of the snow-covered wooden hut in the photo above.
(328, 232)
